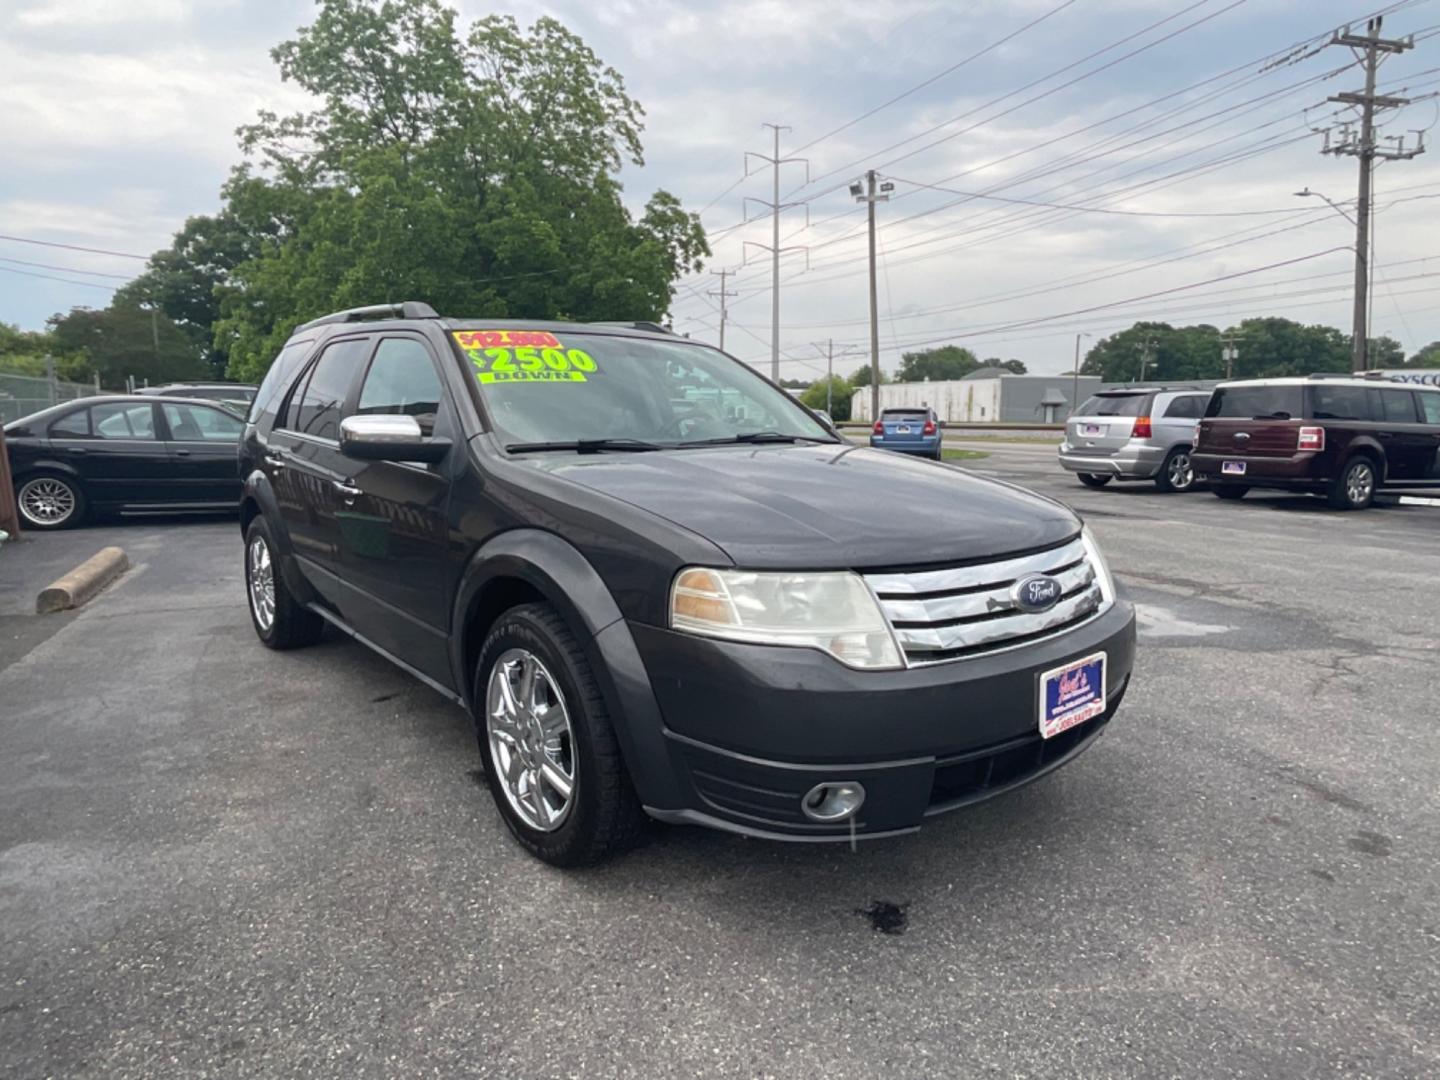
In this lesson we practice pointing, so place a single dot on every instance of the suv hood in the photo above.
(823, 507)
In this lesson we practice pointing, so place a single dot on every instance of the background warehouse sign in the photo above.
(1424, 378)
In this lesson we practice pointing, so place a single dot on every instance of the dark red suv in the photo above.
(1342, 437)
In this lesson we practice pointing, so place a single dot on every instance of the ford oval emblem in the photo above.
(1036, 592)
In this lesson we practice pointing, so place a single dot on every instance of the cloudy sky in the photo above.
(1059, 166)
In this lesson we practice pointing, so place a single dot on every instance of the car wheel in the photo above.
(1177, 472)
(547, 744)
(1354, 488)
(1093, 480)
(1230, 492)
(280, 621)
(50, 501)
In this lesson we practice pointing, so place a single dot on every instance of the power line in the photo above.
(75, 247)
(66, 269)
(52, 277)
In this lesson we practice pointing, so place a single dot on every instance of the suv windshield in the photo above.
(1258, 402)
(1115, 405)
(545, 388)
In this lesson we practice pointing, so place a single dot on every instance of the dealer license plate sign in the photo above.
(1092, 429)
(1072, 694)
(1232, 468)
(902, 430)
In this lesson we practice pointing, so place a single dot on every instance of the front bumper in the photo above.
(750, 729)
(1134, 461)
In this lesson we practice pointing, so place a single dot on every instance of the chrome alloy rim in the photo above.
(531, 742)
(47, 501)
(1182, 473)
(260, 575)
(1360, 482)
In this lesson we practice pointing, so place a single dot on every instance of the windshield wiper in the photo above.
(585, 446)
(755, 437)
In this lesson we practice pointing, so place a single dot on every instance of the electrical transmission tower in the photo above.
(1369, 48)
(723, 295)
(775, 205)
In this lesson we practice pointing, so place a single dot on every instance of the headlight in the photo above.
(834, 612)
(1102, 568)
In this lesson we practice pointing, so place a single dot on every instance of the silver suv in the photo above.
(1136, 433)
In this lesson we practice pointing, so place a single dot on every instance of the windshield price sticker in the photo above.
(524, 356)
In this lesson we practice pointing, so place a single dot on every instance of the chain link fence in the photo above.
(21, 395)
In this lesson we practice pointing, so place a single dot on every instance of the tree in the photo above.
(860, 377)
(840, 391)
(126, 340)
(1267, 347)
(1426, 357)
(945, 362)
(184, 279)
(474, 172)
(23, 352)
(1015, 367)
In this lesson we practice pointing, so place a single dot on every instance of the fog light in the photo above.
(833, 802)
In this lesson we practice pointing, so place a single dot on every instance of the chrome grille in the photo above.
(963, 611)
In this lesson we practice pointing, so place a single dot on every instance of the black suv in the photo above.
(661, 586)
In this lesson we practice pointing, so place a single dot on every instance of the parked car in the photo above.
(722, 617)
(1135, 433)
(1341, 437)
(111, 453)
(909, 431)
(237, 396)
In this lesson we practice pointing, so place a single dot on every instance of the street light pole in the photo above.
(1075, 386)
(868, 195)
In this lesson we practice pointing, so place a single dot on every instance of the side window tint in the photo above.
(1430, 406)
(402, 381)
(1341, 403)
(195, 423)
(1399, 406)
(119, 420)
(1184, 408)
(277, 379)
(74, 426)
(317, 410)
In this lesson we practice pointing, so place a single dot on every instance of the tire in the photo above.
(1177, 472)
(282, 622)
(1354, 487)
(50, 500)
(1230, 492)
(1092, 480)
(529, 755)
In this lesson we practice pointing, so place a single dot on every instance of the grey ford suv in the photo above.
(1135, 433)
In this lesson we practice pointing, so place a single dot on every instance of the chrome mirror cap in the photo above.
(388, 437)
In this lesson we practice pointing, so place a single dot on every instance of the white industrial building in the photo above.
(986, 396)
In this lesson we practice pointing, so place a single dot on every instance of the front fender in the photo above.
(559, 572)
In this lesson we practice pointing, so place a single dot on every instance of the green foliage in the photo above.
(126, 340)
(861, 377)
(1426, 357)
(23, 352)
(1385, 352)
(945, 362)
(1015, 367)
(183, 279)
(473, 172)
(1267, 347)
(840, 391)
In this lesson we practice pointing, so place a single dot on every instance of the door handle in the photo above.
(76, 450)
(346, 489)
(182, 453)
(275, 461)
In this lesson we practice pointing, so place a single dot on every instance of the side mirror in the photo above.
(386, 437)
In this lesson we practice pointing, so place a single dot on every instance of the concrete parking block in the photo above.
(80, 584)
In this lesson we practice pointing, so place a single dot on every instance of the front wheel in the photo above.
(1092, 480)
(1177, 472)
(51, 501)
(280, 621)
(1354, 488)
(549, 750)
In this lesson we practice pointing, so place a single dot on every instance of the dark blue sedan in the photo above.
(910, 431)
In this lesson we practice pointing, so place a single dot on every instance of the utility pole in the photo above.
(9, 512)
(1147, 354)
(1368, 48)
(868, 195)
(722, 294)
(776, 206)
(829, 376)
(1075, 386)
(1229, 352)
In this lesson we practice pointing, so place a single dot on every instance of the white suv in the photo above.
(1135, 433)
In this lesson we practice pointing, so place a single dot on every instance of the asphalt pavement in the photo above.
(220, 861)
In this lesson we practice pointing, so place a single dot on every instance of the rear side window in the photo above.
(119, 420)
(1258, 403)
(74, 426)
(1340, 403)
(1429, 407)
(316, 410)
(1185, 408)
(402, 381)
(1397, 406)
(1116, 405)
(279, 376)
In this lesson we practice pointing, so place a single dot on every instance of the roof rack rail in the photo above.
(637, 324)
(409, 309)
(1344, 375)
(1146, 389)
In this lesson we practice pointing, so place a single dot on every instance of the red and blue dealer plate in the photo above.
(1072, 694)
